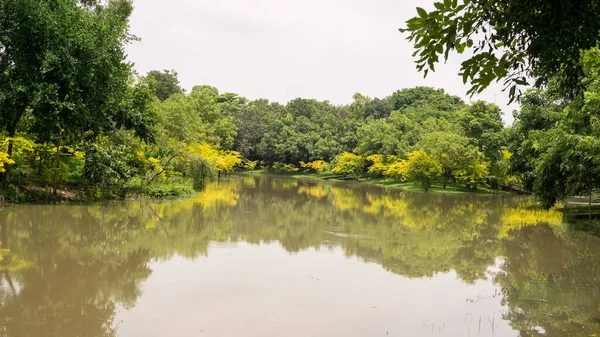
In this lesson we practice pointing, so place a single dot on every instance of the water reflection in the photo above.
(65, 270)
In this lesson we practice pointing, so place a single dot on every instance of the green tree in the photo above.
(64, 64)
(539, 112)
(509, 39)
(165, 83)
(449, 149)
(482, 123)
(197, 118)
(419, 97)
(395, 135)
(252, 121)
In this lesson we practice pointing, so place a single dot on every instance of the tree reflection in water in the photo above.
(66, 269)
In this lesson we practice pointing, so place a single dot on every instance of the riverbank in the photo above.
(33, 194)
(451, 188)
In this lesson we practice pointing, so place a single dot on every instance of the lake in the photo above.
(275, 256)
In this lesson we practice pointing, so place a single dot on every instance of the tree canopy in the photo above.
(165, 83)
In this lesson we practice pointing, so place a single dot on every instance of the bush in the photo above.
(283, 168)
(168, 190)
(317, 166)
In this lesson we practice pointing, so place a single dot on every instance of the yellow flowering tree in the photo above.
(380, 163)
(22, 147)
(474, 171)
(422, 168)
(349, 163)
(222, 160)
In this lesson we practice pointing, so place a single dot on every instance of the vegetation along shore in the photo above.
(89, 127)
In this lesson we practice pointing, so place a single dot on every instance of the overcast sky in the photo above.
(283, 49)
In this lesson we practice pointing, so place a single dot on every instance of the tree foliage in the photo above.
(512, 40)
(349, 163)
(422, 168)
(165, 83)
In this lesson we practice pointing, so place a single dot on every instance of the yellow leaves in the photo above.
(318, 166)
(381, 163)
(5, 160)
(227, 160)
(154, 162)
(250, 164)
(283, 168)
(348, 163)
(506, 155)
(419, 166)
(21, 145)
(397, 170)
(221, 160)
(473, 172)
(79, 154)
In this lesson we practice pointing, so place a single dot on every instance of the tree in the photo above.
(482, 123)
(394, 135)
(422, 168)
(418, 97)
(449, 149)
(197, 117)
(509, 39)
(64, 63)
(556, 144)
(540, 111)
(380, 163)
(474, 169)
(252, 121)
(166, 83)
(349, 163)
(377, 108)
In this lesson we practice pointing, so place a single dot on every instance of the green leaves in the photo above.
(529, 39)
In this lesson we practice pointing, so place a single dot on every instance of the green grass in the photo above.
(437, 187)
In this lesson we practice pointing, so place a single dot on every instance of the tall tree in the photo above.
(166, 83)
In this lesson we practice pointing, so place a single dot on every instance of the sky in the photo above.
(284, 49)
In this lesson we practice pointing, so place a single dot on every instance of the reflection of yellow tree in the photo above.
(284, 184)
(315, 191)
(345, 199)
(514, 218)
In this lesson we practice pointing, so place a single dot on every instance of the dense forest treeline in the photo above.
(79, 119)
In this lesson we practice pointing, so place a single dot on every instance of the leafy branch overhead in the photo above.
(511, 40)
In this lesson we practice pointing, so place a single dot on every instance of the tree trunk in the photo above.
(57, 166)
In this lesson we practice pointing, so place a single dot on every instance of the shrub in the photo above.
(317, 166)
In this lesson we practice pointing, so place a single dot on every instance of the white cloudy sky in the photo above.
(283, 49)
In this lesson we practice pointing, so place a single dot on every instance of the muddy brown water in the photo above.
(275, 256)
